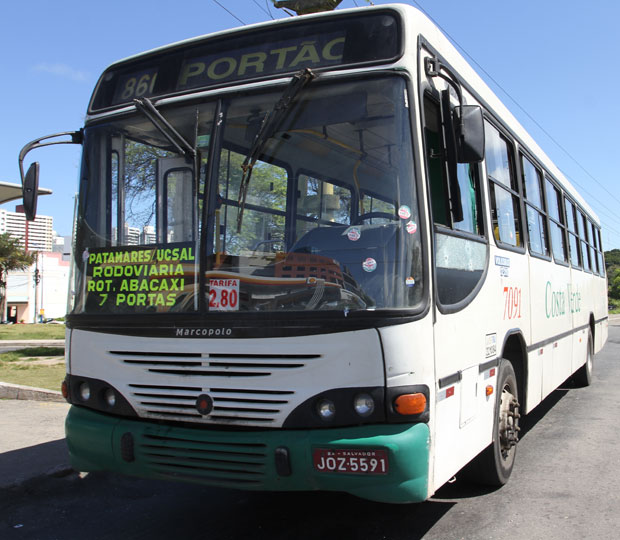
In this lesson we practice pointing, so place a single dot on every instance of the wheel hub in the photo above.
(508, 422)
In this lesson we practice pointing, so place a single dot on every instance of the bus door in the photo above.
(460, 260)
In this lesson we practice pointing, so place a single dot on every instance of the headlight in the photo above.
(326, 409)
(364, 405)
(110, 397)
(84, 391)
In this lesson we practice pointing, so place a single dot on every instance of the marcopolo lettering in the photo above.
(203, 332)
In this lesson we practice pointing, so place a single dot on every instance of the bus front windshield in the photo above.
(329, 220)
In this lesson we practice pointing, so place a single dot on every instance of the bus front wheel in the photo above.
(494, 465)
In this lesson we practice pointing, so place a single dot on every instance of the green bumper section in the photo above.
(247, 459)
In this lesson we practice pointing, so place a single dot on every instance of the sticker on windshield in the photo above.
(411, 227)
(404, 212)
(224, 294)
(410, 282)
(354, 234)
(369, 265)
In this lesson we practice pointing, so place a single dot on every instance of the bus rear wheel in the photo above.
(494, 465)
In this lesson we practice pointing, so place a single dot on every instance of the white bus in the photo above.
(318, 254)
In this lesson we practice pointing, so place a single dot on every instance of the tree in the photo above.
(12, 257)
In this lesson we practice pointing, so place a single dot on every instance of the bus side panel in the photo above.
(549, 358)
(581, 305)
(464, 413)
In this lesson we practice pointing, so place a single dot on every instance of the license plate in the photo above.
(354, 461)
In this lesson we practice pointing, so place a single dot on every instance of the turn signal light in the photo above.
(489, 390)
(64, 389)
(408, 404)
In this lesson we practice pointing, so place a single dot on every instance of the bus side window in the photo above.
(534, 208)
(467, 176)
(435, 163)
(573, 239)
(459, 259)
(503, 188)
(556, 216)
(586, 250)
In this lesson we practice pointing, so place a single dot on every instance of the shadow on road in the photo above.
(16, 466)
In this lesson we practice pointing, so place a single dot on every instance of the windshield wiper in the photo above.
(270, 124)
(146, 107)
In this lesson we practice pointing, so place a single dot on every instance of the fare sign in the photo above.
(223, 294)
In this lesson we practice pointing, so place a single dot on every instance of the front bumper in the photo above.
(247, 459)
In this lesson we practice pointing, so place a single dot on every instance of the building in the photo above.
(34, 235)
(40, 291)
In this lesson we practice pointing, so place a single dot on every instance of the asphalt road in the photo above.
(564, 486)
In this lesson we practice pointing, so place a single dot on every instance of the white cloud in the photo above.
(63, 70)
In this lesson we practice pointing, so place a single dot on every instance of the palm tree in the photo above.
(12, 257)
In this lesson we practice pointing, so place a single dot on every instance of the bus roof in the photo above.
(416, 24)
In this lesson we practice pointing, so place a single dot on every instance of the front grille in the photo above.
(222, 463)
(214, 364)
(230, 404)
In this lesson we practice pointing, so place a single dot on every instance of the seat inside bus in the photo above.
(370, 262)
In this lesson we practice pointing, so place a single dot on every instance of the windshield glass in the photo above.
(330, 220)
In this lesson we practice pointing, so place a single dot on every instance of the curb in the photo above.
(17, 391)
(32, 342)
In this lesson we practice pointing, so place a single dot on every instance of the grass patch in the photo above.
(30, 352)
(18, 367)
(32, 331)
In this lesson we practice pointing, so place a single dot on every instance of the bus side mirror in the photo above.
(469, 133)
(30, 190)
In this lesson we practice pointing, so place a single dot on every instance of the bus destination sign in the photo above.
(146, 278)
(251, 55)
(234, 65)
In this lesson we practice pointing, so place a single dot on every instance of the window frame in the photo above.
(540, 211)
(549, 181)
(514, 177)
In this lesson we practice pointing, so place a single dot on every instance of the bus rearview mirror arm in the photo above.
(30, 181)
(467, 122)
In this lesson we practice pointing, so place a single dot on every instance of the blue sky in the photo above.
(557, 59)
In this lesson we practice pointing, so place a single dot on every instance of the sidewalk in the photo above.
(32, 428)
(32, 440)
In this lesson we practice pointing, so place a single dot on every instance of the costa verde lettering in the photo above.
(559, 302)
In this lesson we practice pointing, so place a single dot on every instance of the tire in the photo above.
(583, 376)
(493, 466)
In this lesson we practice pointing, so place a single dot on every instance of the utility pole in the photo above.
(36, 278)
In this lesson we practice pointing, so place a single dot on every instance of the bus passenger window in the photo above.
(556, 216)
(503, 188)
(535, 214)
(586, 250)
(573, 240)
